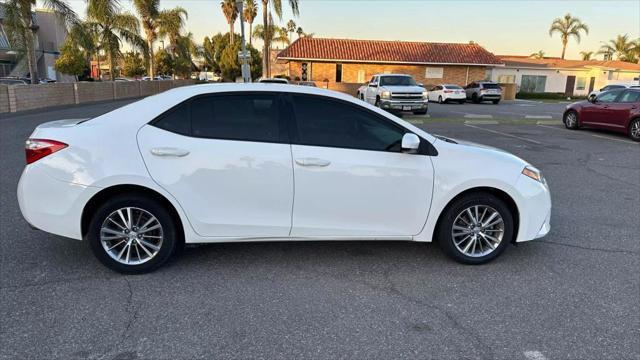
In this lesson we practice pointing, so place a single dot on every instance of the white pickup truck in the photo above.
(395, 93)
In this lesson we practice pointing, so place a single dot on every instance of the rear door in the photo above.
(226, 158)
(351, 179)
(620, 110)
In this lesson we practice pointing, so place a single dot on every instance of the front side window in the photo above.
(609, 96)
(332, 123)
(248, 117)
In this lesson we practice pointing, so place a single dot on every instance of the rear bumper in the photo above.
(462, 96)
(490, 97)
(52, 205)
(404, 105)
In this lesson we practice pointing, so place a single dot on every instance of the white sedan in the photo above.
(262, 162)
(444, 93)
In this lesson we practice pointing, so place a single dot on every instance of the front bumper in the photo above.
(534, 209)
(404, 105)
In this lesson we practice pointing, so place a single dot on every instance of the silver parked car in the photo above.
(479, 91)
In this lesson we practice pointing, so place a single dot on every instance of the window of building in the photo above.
(533, 83)
(338, 72)
(506, 79)
(581, 83)
(331, 123)
(434, 72)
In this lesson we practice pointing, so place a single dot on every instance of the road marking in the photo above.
(534, 355)
(548, 122)
(614, 139)
(527, 105)
(538, 117)
(478, 116)
(544, 124)
(481, 122)
(505, 134)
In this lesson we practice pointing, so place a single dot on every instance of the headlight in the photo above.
(533, 173)
(385, 95)
(425, 94)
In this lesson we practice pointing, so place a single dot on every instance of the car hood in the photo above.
(484, 148)
(409, 89)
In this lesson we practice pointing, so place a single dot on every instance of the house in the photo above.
(569, 77)
(50, 33)
(347, 61)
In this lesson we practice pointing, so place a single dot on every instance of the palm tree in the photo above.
(621, 47)
(537, 55)
(276, 5)
(158, 23)
(18, 19)
(112, 27)
(250, 12)
(83, 36)
(231, 13)
(586, 55)
(567, 27)
(291, 27)
(299, 31)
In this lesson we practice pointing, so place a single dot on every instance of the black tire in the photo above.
(446, 222)
(570, 120)
(461, 101)
(634, 129)
(170, 236)
(440, 100)
(421, 112)
(495, 102)
(377, 103)
(475, 98)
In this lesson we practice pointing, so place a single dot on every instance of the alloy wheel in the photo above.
(571, 120)
(635, 129)
(131, 236)
(477, 230)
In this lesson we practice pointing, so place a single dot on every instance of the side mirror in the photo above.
(421, 85)
(593, 99)
(373, 85)
(410, 143)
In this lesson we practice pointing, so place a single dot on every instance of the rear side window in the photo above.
(249, 117)
(323, 122)
(630, 97)
(175, 120)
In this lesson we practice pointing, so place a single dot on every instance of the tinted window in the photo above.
(323, 122)
(609, 96)
(175, 120)
(251, 117)
(630, 97)
(397, 81)
(611, 87)
(490, 86)
(455, 87)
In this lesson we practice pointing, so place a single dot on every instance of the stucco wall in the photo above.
(93, 91)
(4, 98)
(126, 89)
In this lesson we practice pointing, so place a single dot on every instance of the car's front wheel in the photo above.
(475, 228)
(132, 234)
(634, 130)
(570, 120)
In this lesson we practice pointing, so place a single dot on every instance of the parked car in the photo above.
(395, 93)
(307, 83)
(444, 93)
(594, 93)
(219, 163)
(273, 81)
(122, 79)
(479, 91)
(616, 110)
(12, 81)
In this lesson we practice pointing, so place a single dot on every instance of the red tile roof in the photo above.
(374, 51)
(556, 63)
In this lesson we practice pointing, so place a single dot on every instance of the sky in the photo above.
(502, 27)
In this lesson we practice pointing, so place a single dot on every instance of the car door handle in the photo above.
(169, 151)
(312, 162)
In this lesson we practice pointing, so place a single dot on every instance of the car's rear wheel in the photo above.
(132, 234)
(462, 101)
(634, 130)
(570, 120)
(475, 98)
(440, 101)
(475, 228)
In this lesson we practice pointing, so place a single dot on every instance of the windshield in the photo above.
(397, 81)
(455, 87)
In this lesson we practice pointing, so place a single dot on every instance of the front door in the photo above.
(601, 114)
(227, 160)
(351, 179)
(571, 83)
(372, 90)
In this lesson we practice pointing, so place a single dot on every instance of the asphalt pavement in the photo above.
(573, 295)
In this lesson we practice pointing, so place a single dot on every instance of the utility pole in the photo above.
(244, 57)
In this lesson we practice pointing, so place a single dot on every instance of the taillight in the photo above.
(36, 149)
(448, 91)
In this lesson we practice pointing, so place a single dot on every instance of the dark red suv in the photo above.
(617, 110)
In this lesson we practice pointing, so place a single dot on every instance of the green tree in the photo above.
(159, 23)
(230, 65)
(208, 54)
(568, 26)
(18, 21)
(230, 12)
(72, 60)
(164, 62)
(250, 12)
(183, 55)
(276, 6)
(133, 64)
(620, 47)
(291, 28)
(586, 55)
(112, 27)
